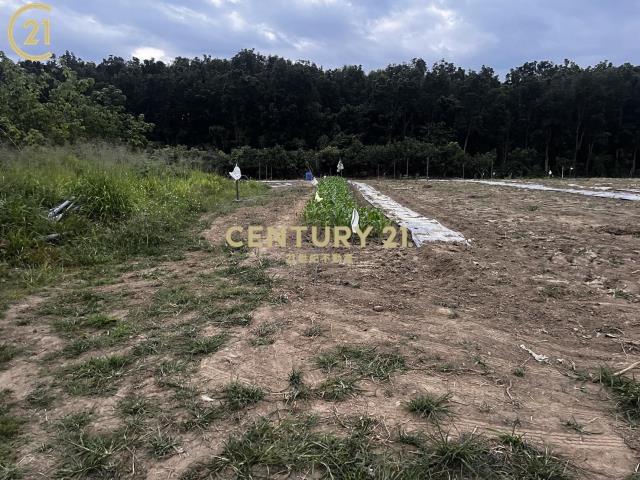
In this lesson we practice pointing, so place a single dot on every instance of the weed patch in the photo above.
(626, 391)
(265, 333)
(7, 353)
(86, 454)
(97, 376)
(205, 345)
(163, 444)
(430, 407)
(295, 446)
(313, 331)
(238, 396)
(362, 360)
(11, 426)
(41, 397)
(337, 389)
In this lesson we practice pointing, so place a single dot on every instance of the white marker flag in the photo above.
(318, 198)
(314, 182)
(355, 221)
(340, 166)
(236, 173)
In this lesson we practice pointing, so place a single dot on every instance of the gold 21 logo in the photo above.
(34, 37)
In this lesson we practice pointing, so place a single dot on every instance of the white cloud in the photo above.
(88, 26)
(11, 4)
(148, 53)
(237, 21)
(499, 33)
(183, 14)
(318, 2)
(420, 29)
(304, 45)
(220, 3)
(269, 35)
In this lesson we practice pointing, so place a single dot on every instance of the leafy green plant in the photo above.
(336, 206)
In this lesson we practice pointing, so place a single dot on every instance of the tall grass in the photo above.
(127, 205)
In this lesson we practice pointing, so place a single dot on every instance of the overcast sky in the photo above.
(331, 33)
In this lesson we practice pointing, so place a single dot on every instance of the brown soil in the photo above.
(548, 271)
(544, 278)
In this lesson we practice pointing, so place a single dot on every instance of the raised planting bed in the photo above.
(336, 206)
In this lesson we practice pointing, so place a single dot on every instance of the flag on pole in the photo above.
(318, 198)
(355, 221)
(314, 182)
(236, 174)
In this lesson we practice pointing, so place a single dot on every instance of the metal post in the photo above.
(237, 191)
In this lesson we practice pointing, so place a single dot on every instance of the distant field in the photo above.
(209, 362)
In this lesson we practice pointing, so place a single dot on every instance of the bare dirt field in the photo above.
(150, 370)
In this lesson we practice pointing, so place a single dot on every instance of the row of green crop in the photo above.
(123, 209)
(336, 206)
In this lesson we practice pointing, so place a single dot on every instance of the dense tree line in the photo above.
(55, 106)
(274, 113)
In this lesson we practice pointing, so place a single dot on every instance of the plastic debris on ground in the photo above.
(423, 230)
(536, 186)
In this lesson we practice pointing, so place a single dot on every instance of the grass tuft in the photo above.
(11, 429)
(40, 397)
(337, 389)
(265, 333)
(137, 406)
(85, 454)
(298, 390)
(97, 376)
(626, 391)
(361, 360)
(429, 406)
(238, 396)
(313, 331)
(163, 445)
(205, 345)
(7, 353)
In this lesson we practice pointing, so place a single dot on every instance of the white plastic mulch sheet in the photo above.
(422, 229)
(276, 183)
(579, 191)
